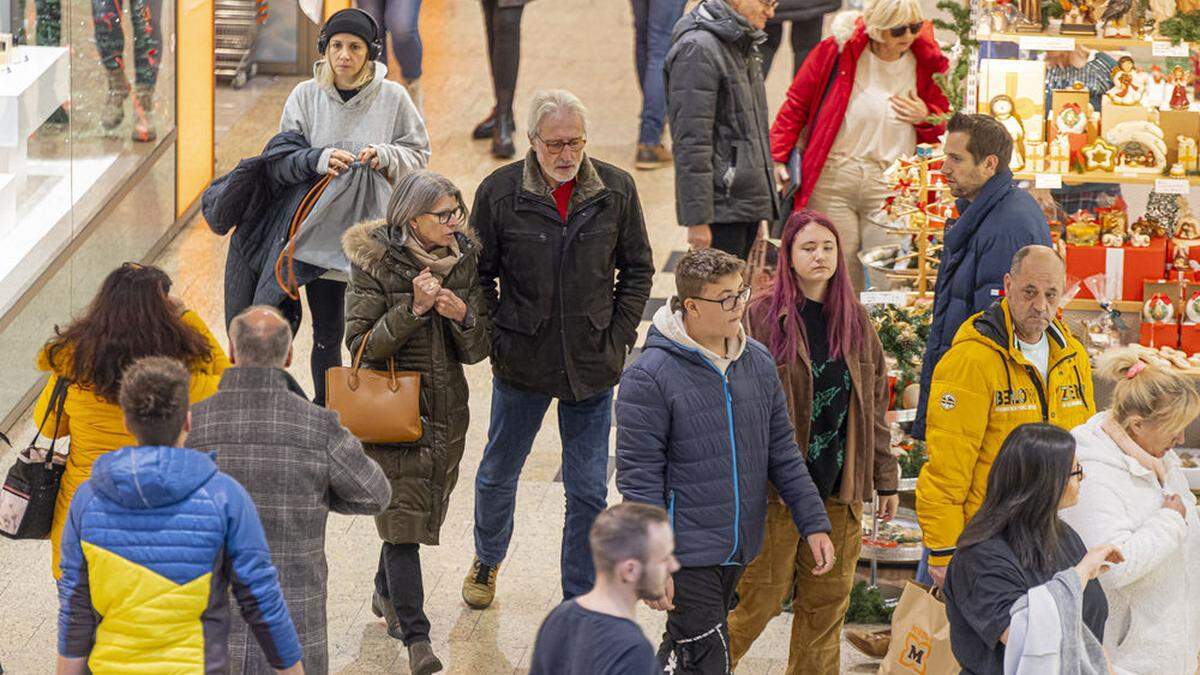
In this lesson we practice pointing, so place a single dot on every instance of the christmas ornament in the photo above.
(1192, 308)
(1158, 309)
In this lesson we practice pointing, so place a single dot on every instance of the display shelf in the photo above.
(1075, 178)
(1088, 305)
(1090, 41)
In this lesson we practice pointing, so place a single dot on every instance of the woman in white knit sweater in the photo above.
(1137, 498)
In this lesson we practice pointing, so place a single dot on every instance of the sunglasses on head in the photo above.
(913, 28)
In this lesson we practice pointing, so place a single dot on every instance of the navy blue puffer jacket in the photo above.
(703, 446)
(978, 250)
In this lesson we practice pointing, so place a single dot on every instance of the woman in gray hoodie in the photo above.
(356, 114)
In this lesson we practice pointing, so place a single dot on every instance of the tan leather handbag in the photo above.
(377, 406)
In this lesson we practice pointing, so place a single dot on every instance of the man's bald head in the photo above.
(1042, 257)
(1034, 286)
(260, 337)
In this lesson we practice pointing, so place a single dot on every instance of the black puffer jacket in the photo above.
(718, 111)
(803, 10)
(379, 304)
(257, 200)
(570, 294)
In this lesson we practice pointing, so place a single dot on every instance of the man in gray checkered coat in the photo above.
(298, 464)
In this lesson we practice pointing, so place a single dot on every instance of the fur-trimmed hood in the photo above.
(845, 25)
(367, 244)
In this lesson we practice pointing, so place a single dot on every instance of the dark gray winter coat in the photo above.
(704, 445)
(719, 122)
(803, 10)
(565, 298)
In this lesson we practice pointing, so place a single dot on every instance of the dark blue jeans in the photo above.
(653, 21)
(584, 427)
(399, 17)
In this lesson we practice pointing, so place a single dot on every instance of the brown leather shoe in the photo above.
(652, 156)
(422, 660)
(874, 645)
(384, 609)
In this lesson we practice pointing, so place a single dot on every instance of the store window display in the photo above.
(87, 119)
(75, 122)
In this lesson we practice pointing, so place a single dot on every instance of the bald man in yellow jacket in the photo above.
(1010, 364)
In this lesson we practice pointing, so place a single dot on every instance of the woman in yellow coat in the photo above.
(132, 316)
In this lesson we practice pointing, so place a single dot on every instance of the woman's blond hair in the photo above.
(325, 74)
(883, 15)
(1157, 393)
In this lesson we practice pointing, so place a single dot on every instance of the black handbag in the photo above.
(31, 487)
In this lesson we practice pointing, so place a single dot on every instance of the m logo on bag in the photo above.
(915, 653)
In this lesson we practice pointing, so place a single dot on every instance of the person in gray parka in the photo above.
(702, 427)
(717, 107)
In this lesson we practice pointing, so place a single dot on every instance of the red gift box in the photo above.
(1126, 267)
(1189, 338)
(1160, 335)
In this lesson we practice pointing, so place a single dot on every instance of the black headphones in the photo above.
(374, 48)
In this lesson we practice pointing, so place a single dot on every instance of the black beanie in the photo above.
(353, 21)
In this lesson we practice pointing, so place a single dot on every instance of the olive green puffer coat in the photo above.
(379, 309)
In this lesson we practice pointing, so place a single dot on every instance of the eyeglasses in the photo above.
(730, 303)
(446, 217)
(769, 4)
(556, 147)
(1077, 473)
(913, 28)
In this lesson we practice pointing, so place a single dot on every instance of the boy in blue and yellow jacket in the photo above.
(154, 540)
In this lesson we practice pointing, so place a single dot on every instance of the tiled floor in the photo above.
(581, 45)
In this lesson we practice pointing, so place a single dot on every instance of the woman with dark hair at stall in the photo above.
(133, 315)
(1015, 542)
(832, 366)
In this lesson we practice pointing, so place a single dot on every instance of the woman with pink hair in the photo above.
(832, 367)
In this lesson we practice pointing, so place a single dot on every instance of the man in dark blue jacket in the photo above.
(996, 219)
(702, 426)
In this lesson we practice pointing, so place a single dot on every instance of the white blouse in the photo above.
(870, 130)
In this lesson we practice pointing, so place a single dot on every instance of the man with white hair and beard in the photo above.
(566, 270)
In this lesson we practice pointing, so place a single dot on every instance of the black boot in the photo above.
(502, 136)
(483, 130)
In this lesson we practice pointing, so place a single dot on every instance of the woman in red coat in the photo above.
(854, 122)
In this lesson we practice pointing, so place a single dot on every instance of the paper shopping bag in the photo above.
(920, 636)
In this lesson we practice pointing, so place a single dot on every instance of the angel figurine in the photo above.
(1179, 80)
(1001, 108)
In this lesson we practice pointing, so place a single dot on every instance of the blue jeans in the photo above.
(584, 427)
(653, 21)
(923, 576)
(399, 17)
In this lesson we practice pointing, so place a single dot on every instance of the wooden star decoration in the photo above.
(1101, 155)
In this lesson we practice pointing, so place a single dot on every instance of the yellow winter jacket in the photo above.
(982, 389)
(97, 426)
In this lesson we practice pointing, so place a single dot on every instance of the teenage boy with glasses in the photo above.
(702, 427)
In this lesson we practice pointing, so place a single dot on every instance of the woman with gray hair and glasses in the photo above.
(414, 296)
